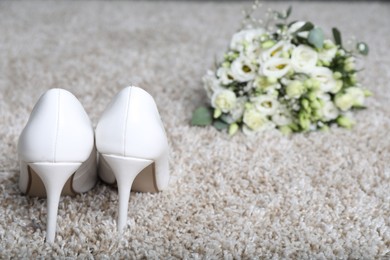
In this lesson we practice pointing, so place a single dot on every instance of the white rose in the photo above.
(267, 105)
(303, 59)
(324, 97)
(224, 75)
(275, 67)
(224, 99)
(278, 50)
(243, 70)
(237, 111)
(255, 121)
(329, 111)
(344, 101)
(357, 95)
(295, 89)
(211, 83)
(325, 77)
(245, 37)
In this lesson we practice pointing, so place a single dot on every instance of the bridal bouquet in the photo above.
(291, 78)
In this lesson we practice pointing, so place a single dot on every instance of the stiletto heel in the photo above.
(125, 170)
(131, 140)
(54, 176)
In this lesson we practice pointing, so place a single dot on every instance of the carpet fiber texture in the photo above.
(317, 195)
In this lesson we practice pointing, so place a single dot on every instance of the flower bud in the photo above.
(267, 44)
(217, 113)
(353, 78)
(295, 89)
(337, 75)
(304, 121)
(312, 95)
(345, 122)
(226, 64)
(233, 128)
(337, 86)
(315, 104)
(272, 80)
(286, 130)
(328, 44)
(350, 66)
(367, 93)
(305, 104)
(344, 101)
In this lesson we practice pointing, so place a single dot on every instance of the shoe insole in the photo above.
(36, 188)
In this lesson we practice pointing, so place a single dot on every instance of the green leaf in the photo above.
(306, 27)
(279, 15)
(220, 125)
(288, 11)
(337, 36)
(291, 23)
(358, 107)
(283, 15)
(362, 48)
(202, 116)
(316, 38)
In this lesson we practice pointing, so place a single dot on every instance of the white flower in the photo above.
(350, 64)
(303, 59)
(329, 111)
(352, 97)
(324, 97)
(278, 50)
(243, 70)
(295, 89)
(224, 75)
(357, 95)
(237, 111)
(224, 100)
(275, 67)
(255, 120)
(282, 116)
(239, 108)
(211, 83)
(325, 77)
(265, 104)
(295, 27)
(245, 38)
(328, 52)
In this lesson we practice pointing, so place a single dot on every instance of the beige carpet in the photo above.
(319, 195)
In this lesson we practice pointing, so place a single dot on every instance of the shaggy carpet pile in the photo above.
(317, 195)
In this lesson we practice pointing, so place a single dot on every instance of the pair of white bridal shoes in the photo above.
(58, 155)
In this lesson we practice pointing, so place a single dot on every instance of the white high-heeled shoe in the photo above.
(132, 146)
(57, 152)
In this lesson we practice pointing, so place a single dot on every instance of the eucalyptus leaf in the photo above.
(220, 125)
(225, 118)
(316, 38)
(337, 36)
(362, 48)
(202, 116)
